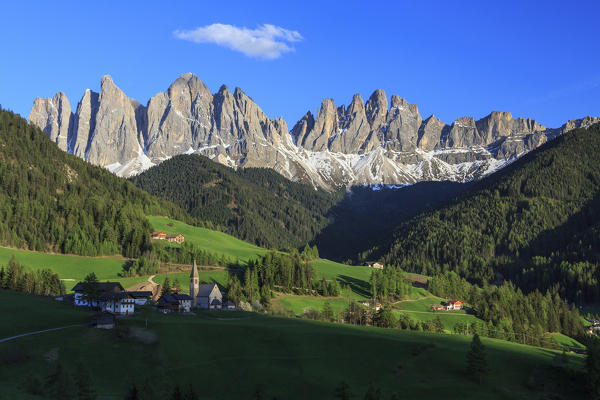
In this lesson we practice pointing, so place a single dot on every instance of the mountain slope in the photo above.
(367, 212)
(256, 205)
(536, 223)
(364, 143)
(53, 201)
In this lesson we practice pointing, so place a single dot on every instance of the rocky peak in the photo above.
(579, 123)
(302, 127)
(326, 125)
(84, 123)
(353, 131)
(53, 115)
(403, 123)
(114, 138)
(376, 109)
(430, 133)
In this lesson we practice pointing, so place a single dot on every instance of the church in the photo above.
(204, 296)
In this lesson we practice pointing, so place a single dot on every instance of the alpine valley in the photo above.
(364, 143)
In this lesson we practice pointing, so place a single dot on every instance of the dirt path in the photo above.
(419, 299)
(150, 280)
(430, 312)
(38, 332)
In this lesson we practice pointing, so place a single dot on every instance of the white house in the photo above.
(103, 287)
(111, 298)
(117, 303)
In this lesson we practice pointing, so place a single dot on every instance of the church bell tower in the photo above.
(194, 284)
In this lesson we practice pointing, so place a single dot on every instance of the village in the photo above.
(110, 299)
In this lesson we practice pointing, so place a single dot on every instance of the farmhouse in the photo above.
(175, 303)
(205, 296)
(111, 297)
(81, 299)
(158, 235)
(117, 303)
(455, 305)
(375, 264)
(178, 238)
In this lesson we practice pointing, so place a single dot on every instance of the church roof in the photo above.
(205, 289)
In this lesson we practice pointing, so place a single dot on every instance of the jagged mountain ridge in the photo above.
(363, 144)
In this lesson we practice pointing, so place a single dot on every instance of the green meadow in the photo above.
(214, 241)
(420, 310)
(280, 357)
(297, 304)
(68, 267)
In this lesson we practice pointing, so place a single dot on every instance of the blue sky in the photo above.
(451, 58)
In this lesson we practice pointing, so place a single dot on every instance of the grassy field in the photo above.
(216, 242)
(420, 310)
(21, 314)
(297, 304)
(68, 267)
(284, 358)
(221, 243)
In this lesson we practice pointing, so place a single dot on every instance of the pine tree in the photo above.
(177, 394)
(85, 390)
(167, 290)
(59, 385)
(342, 391)
(132, 393)
(476, 360)
(327, 313)
(176, 286)
(372, 393)
(592, 363)
(190, 394)
(91, 289)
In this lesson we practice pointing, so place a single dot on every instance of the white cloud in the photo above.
(266, 41)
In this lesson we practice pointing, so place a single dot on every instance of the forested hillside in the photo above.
(367, 212)
(254, 204)
(53, 201)
(536, 223)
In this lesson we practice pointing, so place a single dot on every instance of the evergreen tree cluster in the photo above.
(16, 277)
(254, 204)
(389, 283)
(53, 201)
(186, 254)
(276, 272)
(139, 267)
(61, 384)
(510, 314)
(535, 223)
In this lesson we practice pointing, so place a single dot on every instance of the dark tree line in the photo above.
(509, 313)
(43, 282)
(535, 223)
(53, 201)
(254, 204)
(280, 272)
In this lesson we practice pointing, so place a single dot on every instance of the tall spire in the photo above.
(194, 273)
(194, 284)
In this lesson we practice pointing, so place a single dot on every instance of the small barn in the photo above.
(178, 238)
(103, 320)
(375, 264)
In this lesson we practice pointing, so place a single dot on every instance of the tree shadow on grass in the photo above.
(358, 286)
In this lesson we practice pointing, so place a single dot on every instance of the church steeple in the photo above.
(194, 284)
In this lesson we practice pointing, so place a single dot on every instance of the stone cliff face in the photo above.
(363, 143)
(53, 115)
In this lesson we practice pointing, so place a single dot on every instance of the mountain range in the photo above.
(365, 143)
